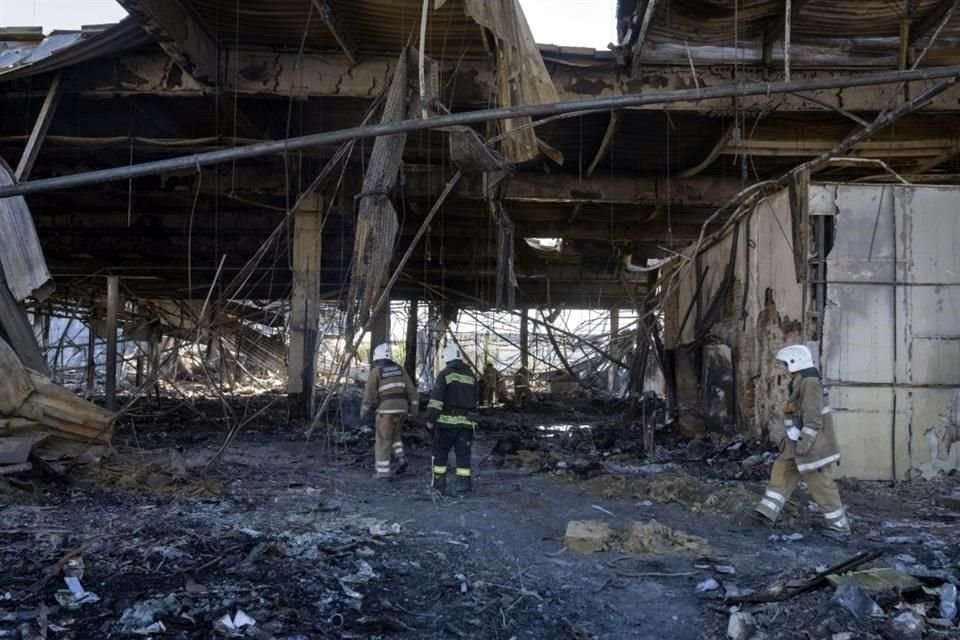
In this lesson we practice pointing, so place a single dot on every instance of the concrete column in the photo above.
(380, 329)
(113, 304)
(614, 369)
(410, 357)
(304, 309)
(525, 338)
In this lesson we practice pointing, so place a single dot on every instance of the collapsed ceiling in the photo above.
(193, 76)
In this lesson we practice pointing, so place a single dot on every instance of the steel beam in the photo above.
(494, 114)
(40, 128)
(283, 75)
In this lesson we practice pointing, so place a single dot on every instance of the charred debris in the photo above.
(211, 213)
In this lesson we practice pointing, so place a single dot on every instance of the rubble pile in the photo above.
(43, 426)
(584, 438)
(678, 487)
(903, 602)
(290, 540)
(639, 538)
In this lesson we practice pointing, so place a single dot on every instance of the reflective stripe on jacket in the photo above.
(390, 389)
(814, 419)
(453, 396)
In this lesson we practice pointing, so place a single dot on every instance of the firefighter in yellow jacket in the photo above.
(809, 450)
(390, 389)
(491, 379)
(521, 386)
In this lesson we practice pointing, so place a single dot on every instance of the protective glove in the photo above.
(364, 411)
(429, 426)
(804, 445)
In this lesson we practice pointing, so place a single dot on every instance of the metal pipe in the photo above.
(472, 117)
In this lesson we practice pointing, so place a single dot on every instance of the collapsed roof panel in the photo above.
(194, 76)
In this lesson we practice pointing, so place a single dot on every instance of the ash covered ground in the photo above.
(288, 538)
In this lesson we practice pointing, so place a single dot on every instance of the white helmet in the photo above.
(382, 352)
(451, 352)
(797, 357)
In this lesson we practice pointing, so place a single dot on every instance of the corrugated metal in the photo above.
(65, 48)
(24, 267)
(724, 21)
(374, 26)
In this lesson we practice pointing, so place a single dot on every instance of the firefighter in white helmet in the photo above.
(453, 397)
(809, 448)
(391, 390)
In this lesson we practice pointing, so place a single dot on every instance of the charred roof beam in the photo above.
(181, 34)
(337, 29)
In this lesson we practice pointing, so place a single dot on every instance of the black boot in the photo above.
(439, 483)
(401, 466)
(464, 485)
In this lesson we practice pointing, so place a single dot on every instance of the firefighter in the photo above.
(809, 450)
(501, 387)
(490, 377)
(521, 386)
(453, 398)
(395, 396)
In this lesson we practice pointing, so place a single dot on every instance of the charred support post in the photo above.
(139, 374)
(91, 356)
(15, 328)
(113, 303)
(304, 309)
(154, 349)
(614, 329)
(786, 41)
(45, 336)
(141, 362)
(380, 329)
(525, 338)
(410, 355)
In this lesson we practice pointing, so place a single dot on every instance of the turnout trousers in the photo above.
(784, 478)
(460, 439)
(387, 443)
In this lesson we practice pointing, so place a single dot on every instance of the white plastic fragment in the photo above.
(708, 585)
